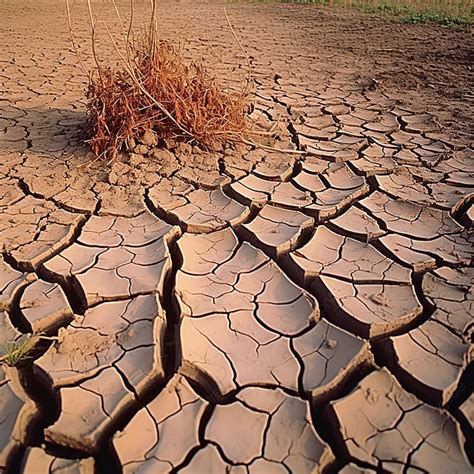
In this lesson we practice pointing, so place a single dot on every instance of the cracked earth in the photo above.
(242, 310)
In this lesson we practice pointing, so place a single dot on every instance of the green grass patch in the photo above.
(452, 13)
(15, 352)
(430, 16)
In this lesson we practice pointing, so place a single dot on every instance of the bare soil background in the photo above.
(319, 302)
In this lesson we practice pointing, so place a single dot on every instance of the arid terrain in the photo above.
(242, 310)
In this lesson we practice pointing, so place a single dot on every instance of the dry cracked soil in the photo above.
(243, 310)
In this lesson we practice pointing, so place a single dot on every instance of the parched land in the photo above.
(241, 310)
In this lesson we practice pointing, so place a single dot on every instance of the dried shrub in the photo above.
(154, 88)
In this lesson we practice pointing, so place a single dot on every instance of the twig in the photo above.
(73, 42)
(270, 148)
(93, 26)
(129, 31)
(124, 33)
(249, 77)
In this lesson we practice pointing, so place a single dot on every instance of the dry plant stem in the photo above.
(130, 24)
(122, 26)
(269, 133)
(126, 33)
(153, 27)
(249, 77)
(89, 163)
(270, 148)
(73, 41)
(184, 28)
(93, 26)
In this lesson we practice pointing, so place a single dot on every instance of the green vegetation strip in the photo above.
(444, 12)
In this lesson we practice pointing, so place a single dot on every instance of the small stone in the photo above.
(371, 395)
(141, 150)
(331, 344)
(149, 138)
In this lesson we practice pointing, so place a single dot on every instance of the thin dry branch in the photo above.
(249, 77)
(73, 40)
(93, 27)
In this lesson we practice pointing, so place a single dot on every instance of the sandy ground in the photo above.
(242, 310)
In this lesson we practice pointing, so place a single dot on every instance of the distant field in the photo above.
(449, 12)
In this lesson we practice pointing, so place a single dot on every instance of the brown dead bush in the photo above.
(154, 88)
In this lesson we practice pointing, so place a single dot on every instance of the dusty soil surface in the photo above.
(242, 310)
